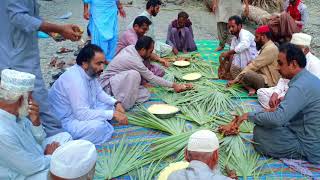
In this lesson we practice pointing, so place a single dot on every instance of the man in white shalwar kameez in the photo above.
(269, 98)
(123, 75)
(78, 100)
(25, 152)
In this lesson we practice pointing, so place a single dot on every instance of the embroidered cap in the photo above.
(301, 39)
(73, 159)
(203, 141)
(16, 81)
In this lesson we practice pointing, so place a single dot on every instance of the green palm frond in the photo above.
(120, 160)
(143, 118)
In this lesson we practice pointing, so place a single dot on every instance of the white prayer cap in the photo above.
(203, 141)
(301, 39)
(73, 159)
(16, 81)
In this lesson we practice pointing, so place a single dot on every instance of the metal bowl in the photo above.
(163, 115)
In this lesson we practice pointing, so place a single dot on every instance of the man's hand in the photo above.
(33, 110)
(120, 117)
(214, 6)
(231, 173)
(120, 108)
(122, 12)
(71, 31)
(181, 87)
(231, 82)
(164, 62)
(50, 148)
(274, 101)
(175, 51)
(86, 15)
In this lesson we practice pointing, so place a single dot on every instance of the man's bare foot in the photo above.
(219, 49)
(251, 90)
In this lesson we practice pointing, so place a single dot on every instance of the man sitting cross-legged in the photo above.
(262, 71)
(78, 100)
(180, 34)
(123, 75)
(130, 37)
(292, 130)
(24, 149)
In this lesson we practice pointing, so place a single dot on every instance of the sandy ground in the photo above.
(204, 25)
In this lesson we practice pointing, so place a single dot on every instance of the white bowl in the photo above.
(192, 76)
(181, 63)
(163, 110)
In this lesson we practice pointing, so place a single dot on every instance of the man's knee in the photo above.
(133, 74)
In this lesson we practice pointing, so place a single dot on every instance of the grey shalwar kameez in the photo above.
(19, 50)
(292, 131)
(226, 9)
(122, 78)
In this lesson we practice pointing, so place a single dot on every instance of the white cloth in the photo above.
(84, 109)
(22, 148)
(264, 94)
(301, 39)
(203, 141)
(245, 48)
(17, 81)
(74, 159)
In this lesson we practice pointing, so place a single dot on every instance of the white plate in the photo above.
(192, 76)
(162, 109)
(181, 63)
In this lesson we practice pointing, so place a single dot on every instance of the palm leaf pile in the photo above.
(207, 106)
(142, 117)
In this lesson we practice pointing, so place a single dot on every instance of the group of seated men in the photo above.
(85, 98)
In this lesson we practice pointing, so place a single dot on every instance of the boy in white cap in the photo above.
(270, 98)
(202, 153)
(24, 151)
(74, 160)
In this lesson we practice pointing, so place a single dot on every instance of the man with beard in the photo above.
(298, 11)
(24, 149)
(292, 130)
(270, 98)
(223, 9)
(243, 50)
(123, 76)
(262, 71)
(180, 34)
(20, 23)
(130, 37)
(79, 102)
(152, 10)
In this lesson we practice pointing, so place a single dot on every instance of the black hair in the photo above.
(144, 42)
(87, 53)
(153, 3)
(183, 14)
(293, 52)
(268, 34)
(236, 19)
(140, 20)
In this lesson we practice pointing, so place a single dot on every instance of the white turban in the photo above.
(301, 39)
(73, 159)
(203, 141)
(15, 83)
